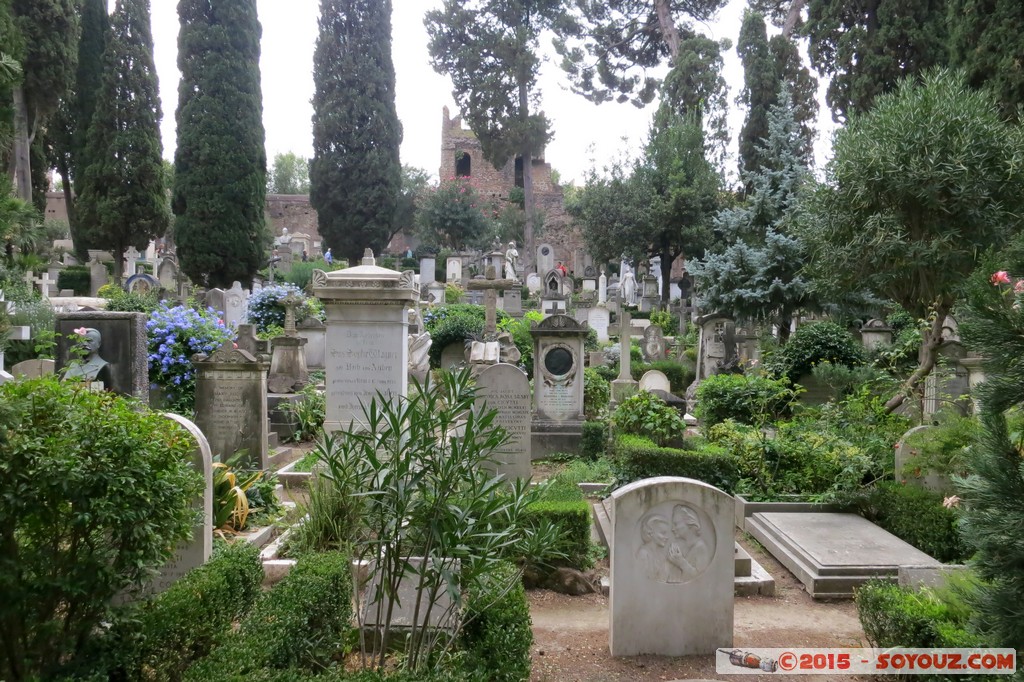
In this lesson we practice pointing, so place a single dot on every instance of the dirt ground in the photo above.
(571, 634)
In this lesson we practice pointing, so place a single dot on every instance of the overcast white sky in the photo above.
(583, 132)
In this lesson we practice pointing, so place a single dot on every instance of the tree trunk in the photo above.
(927, 358)
(666, 275)
(22, 145)
(529, 205)
(792, 17)
(118, 264)
(669, 32)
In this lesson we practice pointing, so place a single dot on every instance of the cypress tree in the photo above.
(355, 175)
(220, 165)
(71, 155)
(121, 202)
(985, 40)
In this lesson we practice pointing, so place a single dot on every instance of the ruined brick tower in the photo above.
(462, 157)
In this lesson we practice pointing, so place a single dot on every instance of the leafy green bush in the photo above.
(916, 516)
(157, 639)
(309, 413)
(813, 344)
(35, 313)
(679, 376)
(498, 632)
(669, 322)
(299, 624)
(745, 398)
(452, 323)
(96, 493)
(945, 448)
(520, 331)
(76, 278)
(585, 471)
(647, 415)
(596, 393)
(175, 334)
(119, 300)
(265, 308)
(635, 458)
(895, 616)
(594, 441)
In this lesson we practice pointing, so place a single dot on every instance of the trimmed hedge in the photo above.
(498, 635)
(300, 624)
(75, 277)
(594, 441)
(158, 638)
(635, 458)
(565, 506)
(916, 516)
(745, 398)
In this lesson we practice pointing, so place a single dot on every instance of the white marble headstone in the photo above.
(505, 388)
(654, 380)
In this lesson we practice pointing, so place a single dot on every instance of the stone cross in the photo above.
(290, 303)
(131, 256)
(44, 283)
(491, 287)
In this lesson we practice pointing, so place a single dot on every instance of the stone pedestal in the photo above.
(367, 327)
(975, 376)
(558, 384)
(288, 372)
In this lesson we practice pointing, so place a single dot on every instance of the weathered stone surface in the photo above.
(655, 380)
(367, 329)
(672, 568)
(231, 405)
(654, 344)
(833, 553)
(599, 319)
(506, 389)
(32, 369)
(558, 368)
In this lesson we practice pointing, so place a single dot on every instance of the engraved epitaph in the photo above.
(506, 389)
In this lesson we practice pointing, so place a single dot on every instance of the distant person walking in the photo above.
(329, 258)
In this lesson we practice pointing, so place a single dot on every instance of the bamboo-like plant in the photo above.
(230, 503)
(428, 512)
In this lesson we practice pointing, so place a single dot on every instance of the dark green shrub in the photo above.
(745, 398)
(594, 441)
(916, 516)
(96, 493)
(75, 277)
(119, 300)
(456, 322)
(679, 376)
(596, 393)
(300, 623)
(565, 506)
(894, 616)
(635, 458)
(815, 343)
(157, 639)
(647, 415)
(498, 634)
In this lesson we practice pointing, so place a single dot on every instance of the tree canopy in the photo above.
(288, 175)
(220, 164)
(121, 201)
(985, 40)
(918, 188)
(355, 173)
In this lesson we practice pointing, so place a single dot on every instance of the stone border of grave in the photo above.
(746, 508)
(290, 478)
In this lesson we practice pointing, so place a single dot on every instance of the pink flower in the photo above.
(1001, 277)
(950, 502)
(1018, 288)
(235, 346)
(81, 331)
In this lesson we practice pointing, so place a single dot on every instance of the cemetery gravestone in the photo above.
(315, 334)
(367, 330)
(33, 369)
(195, 552)
(533, 283)
(141, 283)
(513, 301)
(599, 319)
(624, 385)
(672, 568)
(653, 380)
(167, 273)
(231, 405)
(505, 388)
(453, 271)
(453, 354)
(558, 378)
(545, 258)
(654, 344)
(236, 300)
(427, 266)
(122, 347)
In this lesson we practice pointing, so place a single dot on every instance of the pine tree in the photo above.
(867, 46)
(985, 40)
(757, 276)
(121, 201)
(767, 66)
(220, 164)
(355, 174)
(993, 490)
